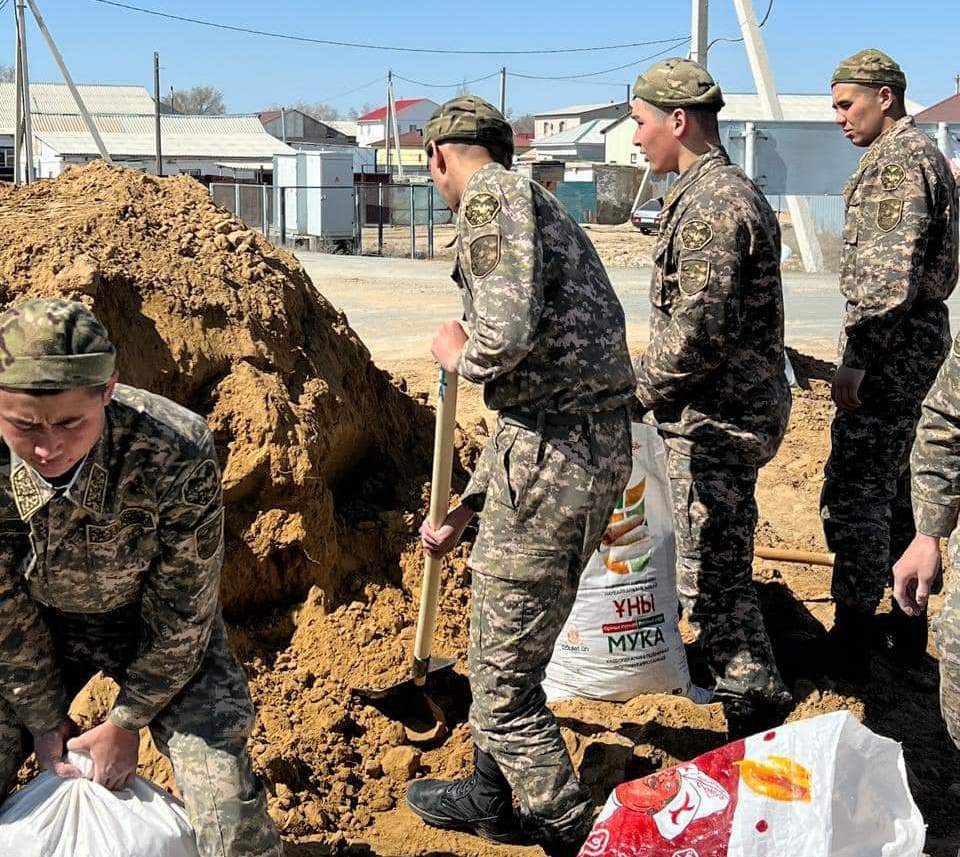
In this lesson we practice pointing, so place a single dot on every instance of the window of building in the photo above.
(561, 126)
(633, 157)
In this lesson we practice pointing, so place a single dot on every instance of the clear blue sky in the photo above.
(804, 38)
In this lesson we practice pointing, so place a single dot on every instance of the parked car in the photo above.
(646, 216)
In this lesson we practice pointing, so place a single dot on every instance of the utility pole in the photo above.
(18, 105)
(503, 90)
(386, 125)
(699, 31)
(58, 59)
(803, 223)
(956, 80)
(392, 109)
(25, 94)
(156, 110)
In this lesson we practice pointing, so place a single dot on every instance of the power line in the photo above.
(666, 50)
(740, 38)
(373, 47)
(445, 85)
(377, 79)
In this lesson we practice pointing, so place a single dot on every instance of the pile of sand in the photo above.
(209, 313)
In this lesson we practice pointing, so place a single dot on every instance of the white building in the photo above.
(563, 119)
(412, 115)
(583, 142)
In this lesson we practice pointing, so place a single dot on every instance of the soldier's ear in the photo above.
(109, 388)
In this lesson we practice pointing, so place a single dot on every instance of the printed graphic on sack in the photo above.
(622, 637)
(783, 792)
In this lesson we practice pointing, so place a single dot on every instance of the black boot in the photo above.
(904, 641)
(479, 804)
(746, 717)
(846, 650)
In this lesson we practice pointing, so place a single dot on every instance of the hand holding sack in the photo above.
(823, 787)
(57, 817)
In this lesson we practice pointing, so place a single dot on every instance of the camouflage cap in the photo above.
(871, 67)
(53, 344)
(678, 82)
(468, 119)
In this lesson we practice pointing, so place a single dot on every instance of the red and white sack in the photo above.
(56, 817)
(621, 638)
(823, 787)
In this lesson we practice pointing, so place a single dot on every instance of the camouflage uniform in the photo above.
(119, 571)
(898, 266)
(548, 342)
(713, 381)
(935, 463)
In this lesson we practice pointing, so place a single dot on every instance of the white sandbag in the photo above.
(823, 787)
(57, 817)
(621, 638)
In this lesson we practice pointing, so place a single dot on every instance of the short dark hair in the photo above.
(96, 390)
(500, 152)
(707, 119)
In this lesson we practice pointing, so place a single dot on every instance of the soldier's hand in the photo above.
(915, 573)
(114, 752)
(846, 388)
(437, 542)
(448, 343)
(50, 747)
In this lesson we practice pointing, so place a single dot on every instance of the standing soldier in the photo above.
(935, 463)
(548, 342)
(112, 544)
(898, 266)
(712, 377)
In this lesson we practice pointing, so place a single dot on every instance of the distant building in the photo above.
(947, 111)
(412, 115)
(412, 154)
(551, 122)
(294, 127)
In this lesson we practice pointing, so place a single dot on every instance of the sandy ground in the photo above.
(395, 305)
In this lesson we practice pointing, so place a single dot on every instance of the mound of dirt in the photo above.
(210, 314)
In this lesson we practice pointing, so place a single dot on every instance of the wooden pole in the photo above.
(25, 95)
(699, 30)
(156, 111)
(18, 105)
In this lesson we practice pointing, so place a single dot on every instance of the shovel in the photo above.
(798, 556)
(408, 700)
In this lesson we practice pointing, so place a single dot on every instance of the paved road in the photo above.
(395, 304)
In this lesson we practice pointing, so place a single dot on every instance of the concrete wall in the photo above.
(617, 187)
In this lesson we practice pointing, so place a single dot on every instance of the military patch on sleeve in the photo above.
(484, 254)
(889, 213)
(695, 235)
(481, 209)
(694, 275)
(202, 485)
(892, 176)
(209, 535)
(103, 535)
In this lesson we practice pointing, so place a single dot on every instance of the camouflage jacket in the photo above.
(547, 331)
(140, 523)
(713, 374)
(899, 241)
(935, 460)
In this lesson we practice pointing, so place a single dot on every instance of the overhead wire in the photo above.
(675, 44)
(733, 40)
(446, 85)
(375, 47)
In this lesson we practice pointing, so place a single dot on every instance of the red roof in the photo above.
(381, 112)
(523, 140)
(268, 116)
(947, 110)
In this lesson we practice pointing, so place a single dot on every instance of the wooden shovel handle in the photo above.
(786, 555)
(439, 502)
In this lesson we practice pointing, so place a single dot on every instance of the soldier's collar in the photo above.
(89, 489)
(493, 166)
(704, 164)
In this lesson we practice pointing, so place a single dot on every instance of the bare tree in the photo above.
(198, 99)
(316, 109)
(522, 124)
(7, 74)
(362, 110)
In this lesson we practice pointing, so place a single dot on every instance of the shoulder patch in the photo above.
(694, 275)
(889, 213)
(481, 209)
(484, 254)
(201, 485)
(209, 536)
(892, 176)
(695, 234)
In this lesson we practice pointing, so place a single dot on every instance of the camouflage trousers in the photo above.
(865, 503)
(549, 499)
(203, 731)
(715, 515)
(946, 633)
